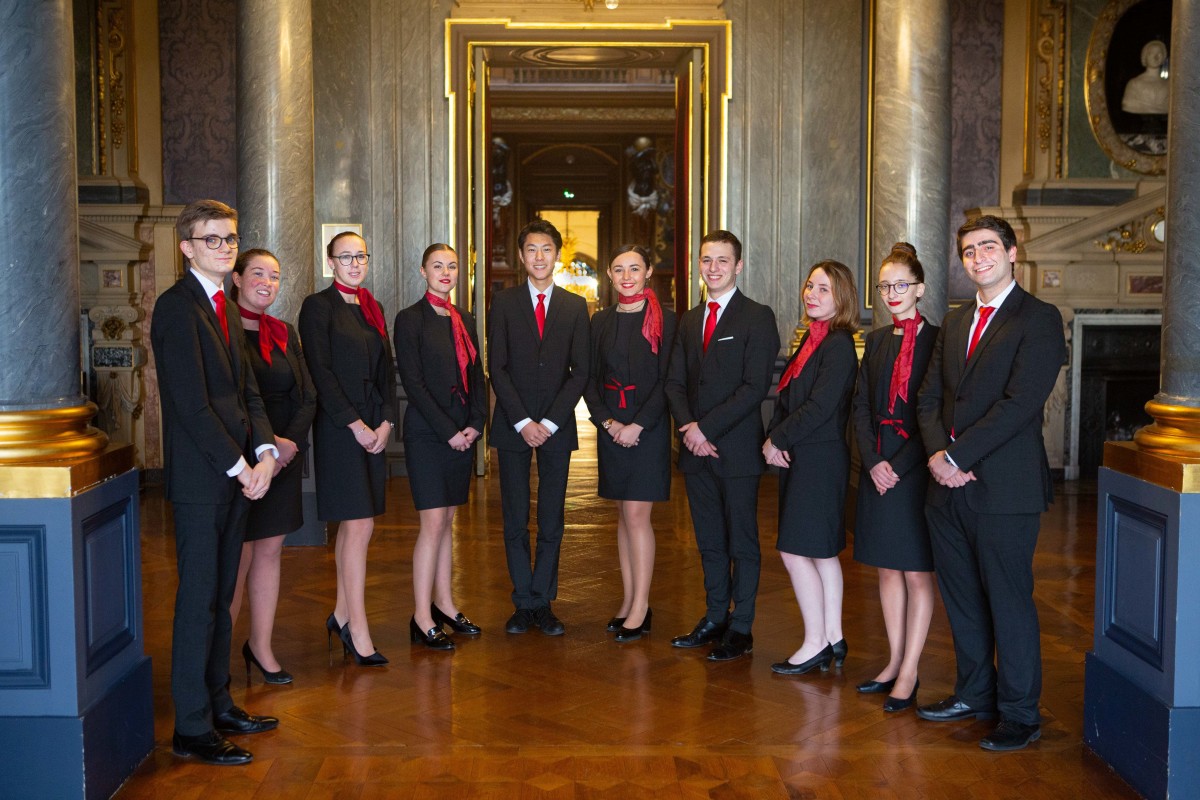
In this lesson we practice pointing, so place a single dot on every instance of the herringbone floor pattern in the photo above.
(579, 716)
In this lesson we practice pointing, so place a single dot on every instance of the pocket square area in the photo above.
(725, 339)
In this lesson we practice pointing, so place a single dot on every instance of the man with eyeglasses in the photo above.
(214, 427)
(994, 365)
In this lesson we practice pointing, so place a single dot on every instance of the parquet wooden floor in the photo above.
(579, 716)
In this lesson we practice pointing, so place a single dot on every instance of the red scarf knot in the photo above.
(464, 348)
(652, 324)
(817, 331)
(370, 307)
(271, 332)
(902, 371)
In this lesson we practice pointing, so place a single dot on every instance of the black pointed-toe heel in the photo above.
(278, 678)
(900, 703)
(376, 659)
(332, 629)
(822, 659)
(840, 649)
(434, 638)
(633, 634)
(615, 624)
(458, 623)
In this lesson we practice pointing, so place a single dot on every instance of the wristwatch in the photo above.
(607, 423)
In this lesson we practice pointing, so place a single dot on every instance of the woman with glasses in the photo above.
(291, 401)
(350, 359)
(442, 372)
(890, 531)
(806, 439)
(631, 345)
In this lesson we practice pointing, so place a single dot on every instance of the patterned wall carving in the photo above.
(197, 50)
(977, 32)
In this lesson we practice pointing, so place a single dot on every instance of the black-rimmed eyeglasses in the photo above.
(213, 242)
(899, 287)
(346, 259)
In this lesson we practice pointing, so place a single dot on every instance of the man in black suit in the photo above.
(720, 372)
(538, 361)
(994, 365)
(213, 422)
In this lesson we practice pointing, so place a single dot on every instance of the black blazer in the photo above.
(647, 371)
(723, 388)
(212, 412)
(871, 399)
(994, 403)
(301, 405)
(430, 375)
(815, 405)
(538, 378)
(339, 361)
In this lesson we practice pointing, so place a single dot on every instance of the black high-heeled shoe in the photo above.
(840, 649)
(901, 703)
(615, 624)
(332, 629)
(434, 638)
(458, 623)
(822, 659)
(376, 659)
(633, 634)
(278, 678)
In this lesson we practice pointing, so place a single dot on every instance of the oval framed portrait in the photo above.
(1127, 83)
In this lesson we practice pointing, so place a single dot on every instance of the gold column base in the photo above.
(52, 434)
(1168, 471)
(64, 478)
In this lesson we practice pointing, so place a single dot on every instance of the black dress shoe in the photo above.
(236, 720)
(900, 703)
(520, 621)
(1010, 735)
(376, 659)
(278, 678)
(211, 748)
(734, 644)
(704, 633)
(434, 638)
(615, 624)
(952, 709)
(633, 634)
(840, 649)
(551, 625)
(875, 687)
(458, 623)
(822, 659)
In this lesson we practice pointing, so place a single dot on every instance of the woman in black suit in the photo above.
(631, 345)
(442, 374)
(890, 530)
(291, 401)
(806, 439)
(350, 359)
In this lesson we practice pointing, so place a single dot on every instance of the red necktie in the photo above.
(219, 301)
(540, 313)
(710, 324)
(984, 313)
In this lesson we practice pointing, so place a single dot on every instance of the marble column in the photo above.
(910, 142)
(42, 412)
(275, 141)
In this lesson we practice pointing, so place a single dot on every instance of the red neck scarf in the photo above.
(271, 331)
(817, 331)
(653, 321)
(464, 349)
(370, 306)
(902, 371)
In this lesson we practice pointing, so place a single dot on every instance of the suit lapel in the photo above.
(724, 321)
(1007, 310)
(210, 316)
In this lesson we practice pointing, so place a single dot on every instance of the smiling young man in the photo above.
(994, 365)
(538, 362)
(214, 426)
(720, 372)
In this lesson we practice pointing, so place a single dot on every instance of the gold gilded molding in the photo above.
(64, 479)
(1051, 79)
(115, 73)
(1170, 472)
(1175, 432)
(46, 435)
(1134, 236)
(580, 114)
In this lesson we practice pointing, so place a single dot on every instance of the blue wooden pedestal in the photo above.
(76, 710)
(1142, 680)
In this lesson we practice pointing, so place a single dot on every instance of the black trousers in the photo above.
(537, 584)
(208, 546)
(984, 566)
(725, 519)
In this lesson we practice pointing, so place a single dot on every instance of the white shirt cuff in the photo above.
(522, 424)
(550, 426)
(237, 468)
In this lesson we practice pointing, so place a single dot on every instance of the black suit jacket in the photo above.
(815, 405)
(339, 361)
(538, 378)
(294, 417)
(212, 412)
(430, 375)
(645, 405)
(723, 389)
(994, 403)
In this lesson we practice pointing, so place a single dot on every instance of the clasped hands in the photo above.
(776, 457)
(463, 440)
(625, 435)
(256, 480)
(946, 473)
(696, 442)
(371, 440)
